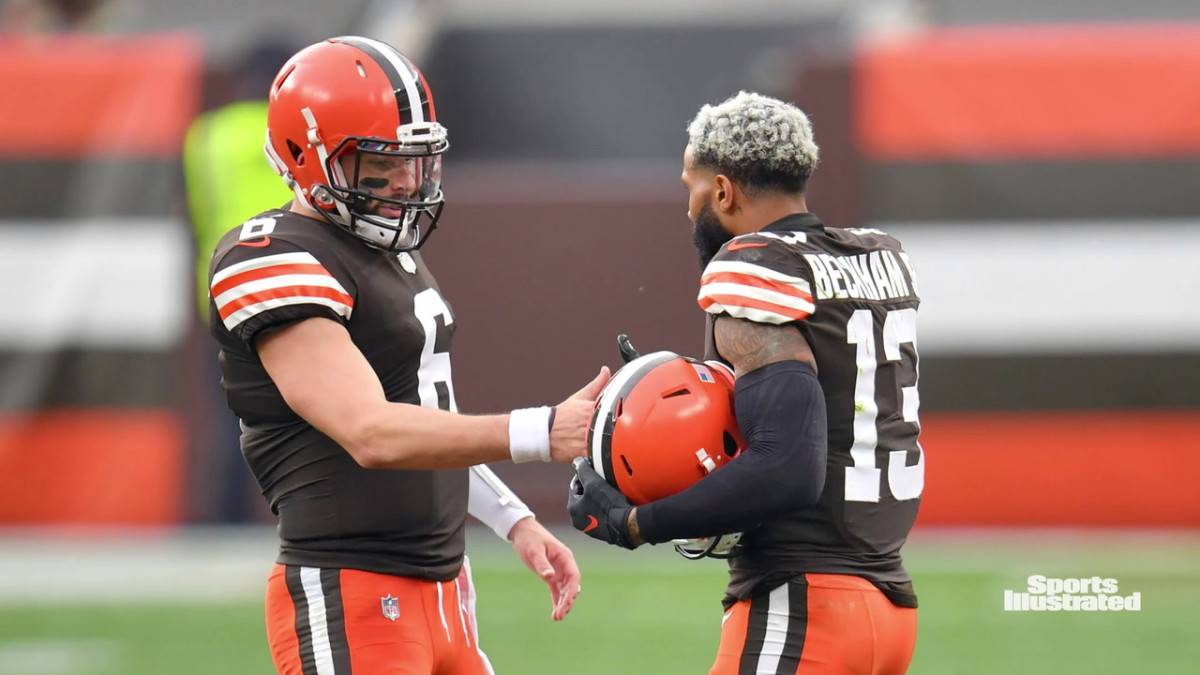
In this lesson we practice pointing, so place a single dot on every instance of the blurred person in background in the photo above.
(50, 16)
(819, 326)
(227, 180)
(335, 356)
(227, 177)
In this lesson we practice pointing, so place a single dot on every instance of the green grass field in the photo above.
(651, 612)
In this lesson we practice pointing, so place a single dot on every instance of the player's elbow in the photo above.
(809, 470)
(808, 489)
(367, 455)
(800, 478)
(365, 441)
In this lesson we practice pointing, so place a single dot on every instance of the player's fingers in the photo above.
(536, 560)
(567, 569)
(576, 462)
(584, 474)
(592, 389)
(558, 607)
(567, 581)
(565, 599)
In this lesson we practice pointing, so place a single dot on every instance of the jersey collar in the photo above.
(794, 221)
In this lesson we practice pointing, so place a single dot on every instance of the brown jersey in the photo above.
(852, 293)
(280, 268)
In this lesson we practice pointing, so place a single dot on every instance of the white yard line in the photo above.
(59, 657)
(201, 565)
(221, 565)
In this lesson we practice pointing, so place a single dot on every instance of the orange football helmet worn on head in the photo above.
(357, 96)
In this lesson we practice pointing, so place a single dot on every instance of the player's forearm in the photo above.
(403, 436)
(781, 410)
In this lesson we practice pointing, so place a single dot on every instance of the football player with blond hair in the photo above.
(819, 326)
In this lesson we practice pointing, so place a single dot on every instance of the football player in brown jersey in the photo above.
(335, 342)
(819, 325)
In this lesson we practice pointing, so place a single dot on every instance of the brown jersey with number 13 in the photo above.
(852, 293)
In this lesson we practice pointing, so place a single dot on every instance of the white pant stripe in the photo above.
(442, 612)
(310, 578)
(462, 611)
(777, 628)
(470, 606)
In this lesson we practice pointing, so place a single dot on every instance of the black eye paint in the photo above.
(373, 183)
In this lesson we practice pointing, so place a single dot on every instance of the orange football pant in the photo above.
(340, 621)
(827, 624)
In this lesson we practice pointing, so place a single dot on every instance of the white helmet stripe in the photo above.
(617, 388)
(318, 144)
(403, 73)
(280, 167)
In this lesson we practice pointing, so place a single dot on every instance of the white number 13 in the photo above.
(863, 477)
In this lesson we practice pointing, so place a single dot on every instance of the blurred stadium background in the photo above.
(1041, 162)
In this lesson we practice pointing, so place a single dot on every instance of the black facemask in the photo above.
(708, 235)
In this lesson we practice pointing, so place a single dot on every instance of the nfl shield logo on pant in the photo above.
(391, 608)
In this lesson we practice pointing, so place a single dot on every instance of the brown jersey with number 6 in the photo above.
(281, 267)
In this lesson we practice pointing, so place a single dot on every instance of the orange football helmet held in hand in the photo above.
(663, 422)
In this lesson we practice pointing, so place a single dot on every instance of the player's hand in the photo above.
(568, 435)
(628, 351)
(551, 560)
(598, 509)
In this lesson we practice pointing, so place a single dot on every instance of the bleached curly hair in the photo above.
(760, 142)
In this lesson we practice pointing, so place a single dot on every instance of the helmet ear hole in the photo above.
(731, 446)
(297, 153)
(651, 419)
(283, 78)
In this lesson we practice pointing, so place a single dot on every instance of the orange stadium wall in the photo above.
(1024, 92)
(66, 101)
(1097, 468)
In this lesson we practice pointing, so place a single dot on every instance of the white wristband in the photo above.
(529, 434)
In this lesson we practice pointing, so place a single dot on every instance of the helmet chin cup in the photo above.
(322, 195)
(723, 546)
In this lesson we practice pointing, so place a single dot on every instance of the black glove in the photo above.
(598, 509)
(628, 353)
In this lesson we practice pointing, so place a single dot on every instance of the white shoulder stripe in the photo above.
(296, 258)
(749, 313)
(750, 269)
(752, 293)
(340, 308)
(278, 281)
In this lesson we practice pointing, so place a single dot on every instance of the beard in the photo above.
(708, 235)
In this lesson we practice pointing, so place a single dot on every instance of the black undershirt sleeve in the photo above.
(781, 413)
